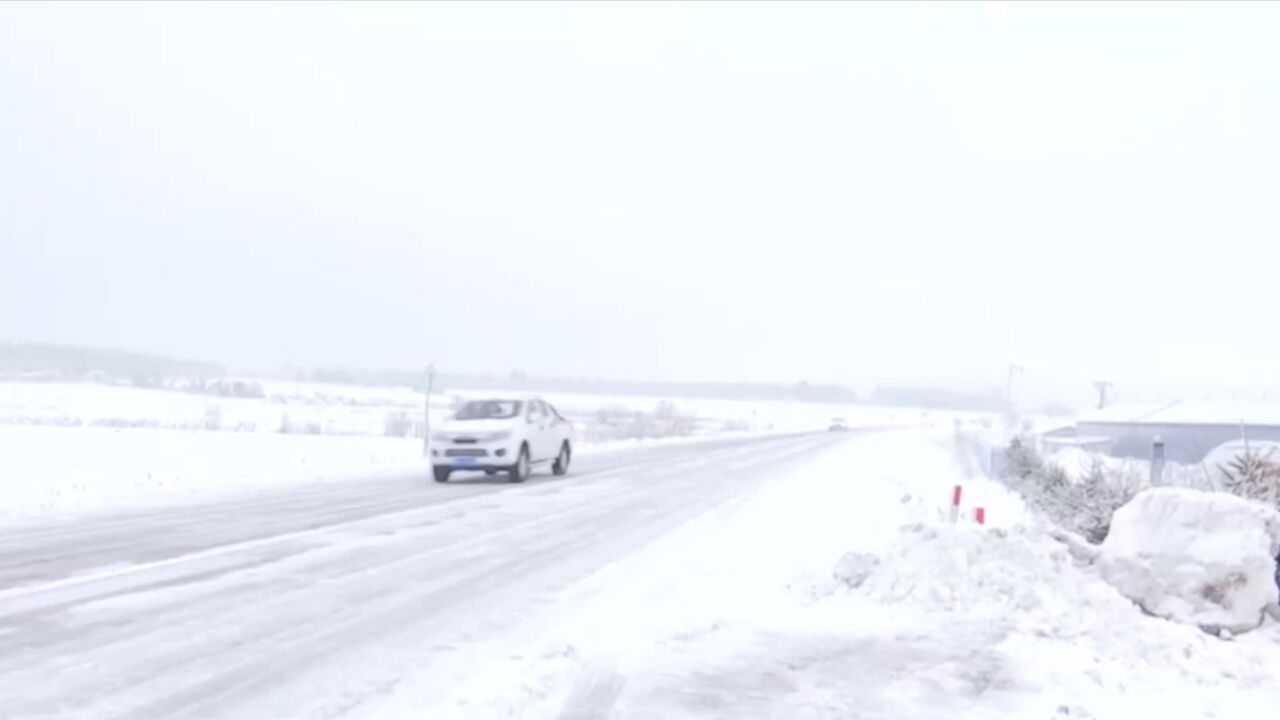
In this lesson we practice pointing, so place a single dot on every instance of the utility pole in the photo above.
(1102, 386)
(426, 412)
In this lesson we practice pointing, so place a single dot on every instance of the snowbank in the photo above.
(966, 567)
(1207, 559)
(1012, 625)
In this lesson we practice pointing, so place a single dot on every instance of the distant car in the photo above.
(838, 425)
(502, 435)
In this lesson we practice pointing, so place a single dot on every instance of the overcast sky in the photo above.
(835, 192)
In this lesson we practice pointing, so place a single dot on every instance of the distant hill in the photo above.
(46, 361)
(517, 382)
(75, 362)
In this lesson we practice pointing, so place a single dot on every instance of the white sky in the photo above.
(835, 192)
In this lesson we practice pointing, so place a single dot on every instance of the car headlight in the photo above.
(495, 437)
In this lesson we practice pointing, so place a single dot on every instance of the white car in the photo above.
(502, 435)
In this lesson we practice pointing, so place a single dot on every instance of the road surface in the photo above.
(309, 603)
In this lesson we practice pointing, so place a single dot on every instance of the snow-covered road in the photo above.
(312, 602)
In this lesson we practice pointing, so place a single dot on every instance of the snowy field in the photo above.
(313, 408)
(78, 469)
(85, 447)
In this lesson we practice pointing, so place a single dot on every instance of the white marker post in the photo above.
(426, 412)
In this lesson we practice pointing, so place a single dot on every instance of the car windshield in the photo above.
(489, 410)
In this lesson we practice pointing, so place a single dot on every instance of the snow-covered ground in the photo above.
(313, 408)
(843, 592)
(87, 447)
(770, 577)
(287, 408)
(74, 469)
(315, 601)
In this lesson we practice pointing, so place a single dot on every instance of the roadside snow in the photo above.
(1207, 559)
(843, 592)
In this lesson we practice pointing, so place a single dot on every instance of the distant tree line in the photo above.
(37, 361)
(73, 362)
(520, 381)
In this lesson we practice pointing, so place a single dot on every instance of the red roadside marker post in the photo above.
(980, 514)
(955, 504)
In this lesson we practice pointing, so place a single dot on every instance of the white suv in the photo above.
(502, 436)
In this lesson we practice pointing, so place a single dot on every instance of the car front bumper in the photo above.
(497, 455)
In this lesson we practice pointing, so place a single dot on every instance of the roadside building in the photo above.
(1189, 430)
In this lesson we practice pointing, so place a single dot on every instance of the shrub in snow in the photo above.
(1253, 475)
(397, 424)
(213, 417)
(1084, 507)
(616, 422)
(1206, 559)
(672, 422)
(1090, 504)
(289, 426)
(235, 388)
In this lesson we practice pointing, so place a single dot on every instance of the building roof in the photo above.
(1189, 413)
(1081, 441)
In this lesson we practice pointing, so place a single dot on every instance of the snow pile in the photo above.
(1015, 627)
(1206, 559)
(950, 568)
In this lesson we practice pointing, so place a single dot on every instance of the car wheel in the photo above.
(561, 465)
(520, 471)
(442, 473)
(490, 472)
